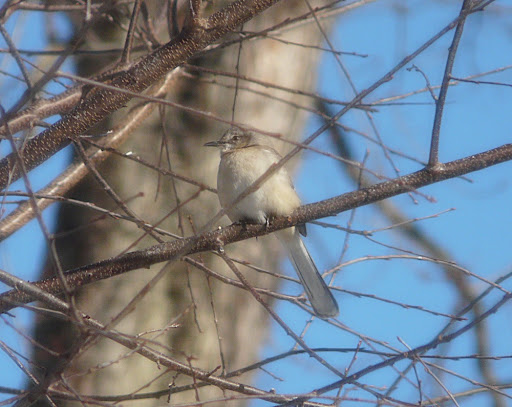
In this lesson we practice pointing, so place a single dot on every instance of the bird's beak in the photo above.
(212, 144)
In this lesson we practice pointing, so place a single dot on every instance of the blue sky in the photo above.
(477, 234)
(23, 252)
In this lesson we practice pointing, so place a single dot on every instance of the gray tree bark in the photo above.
(185, 295)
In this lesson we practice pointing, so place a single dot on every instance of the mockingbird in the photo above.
(242, 162)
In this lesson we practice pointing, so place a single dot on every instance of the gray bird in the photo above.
(242, 162)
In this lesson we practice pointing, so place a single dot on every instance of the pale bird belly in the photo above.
(275, 197)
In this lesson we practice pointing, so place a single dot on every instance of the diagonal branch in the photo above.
(77, 171)
(99, 103)
(234, 233)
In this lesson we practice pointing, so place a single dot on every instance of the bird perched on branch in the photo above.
(243, 160)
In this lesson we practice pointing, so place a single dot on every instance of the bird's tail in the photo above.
(318, 293)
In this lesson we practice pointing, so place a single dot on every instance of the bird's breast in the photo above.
(240, 169)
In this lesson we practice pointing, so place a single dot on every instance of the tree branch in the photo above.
(234, 233)
(97, 104)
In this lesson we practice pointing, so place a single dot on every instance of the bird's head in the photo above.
(232, 139)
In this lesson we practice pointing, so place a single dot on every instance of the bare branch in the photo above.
(234, 233)
(99, 104)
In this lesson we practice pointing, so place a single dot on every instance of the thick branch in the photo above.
(234, 233)
(101, 102)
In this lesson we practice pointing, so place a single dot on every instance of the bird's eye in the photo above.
(236, 138)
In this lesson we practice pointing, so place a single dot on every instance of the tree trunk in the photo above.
(185, 296)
